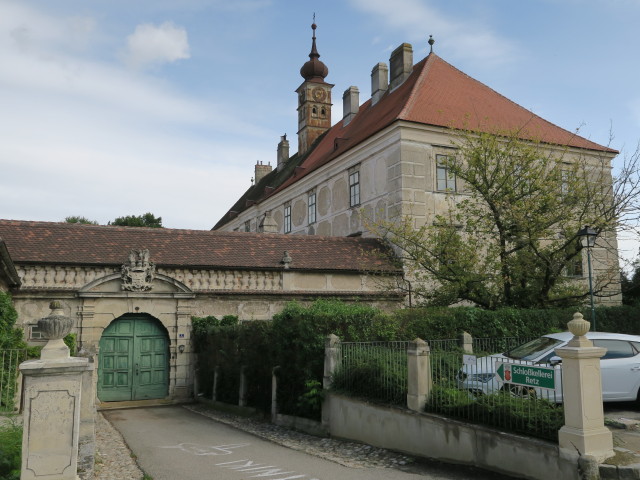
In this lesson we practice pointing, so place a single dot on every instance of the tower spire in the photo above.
(314, 98)
(314, 68)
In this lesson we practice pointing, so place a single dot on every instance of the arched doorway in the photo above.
(133, 360)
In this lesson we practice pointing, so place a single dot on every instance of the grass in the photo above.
(10, 449)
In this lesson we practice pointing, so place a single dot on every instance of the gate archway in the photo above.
(133, 360)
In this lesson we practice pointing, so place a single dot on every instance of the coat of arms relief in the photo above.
(138, 273)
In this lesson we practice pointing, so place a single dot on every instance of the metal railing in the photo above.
(9, 378)
(373, 370)
(464, 386)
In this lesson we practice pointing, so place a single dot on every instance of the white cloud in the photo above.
(417, 19)
(83, 135)
(153, 45)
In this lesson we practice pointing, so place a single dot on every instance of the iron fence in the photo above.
(465, 386)
(9, 377)
(373, 370)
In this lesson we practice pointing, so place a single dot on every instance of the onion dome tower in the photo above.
(314, 99)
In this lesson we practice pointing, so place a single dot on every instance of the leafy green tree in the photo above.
(146, 220)
(509, 234)
(10, 337)
(79, 219)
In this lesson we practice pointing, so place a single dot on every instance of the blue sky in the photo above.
(114, 107)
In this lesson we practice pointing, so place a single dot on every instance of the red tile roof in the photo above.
(438, 94)
(65, 243)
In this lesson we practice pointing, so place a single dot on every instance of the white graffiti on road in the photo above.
(196, 449)
(261, 470)
(256, 470)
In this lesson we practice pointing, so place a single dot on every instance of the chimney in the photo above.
(379, 82)
(268, 224)
(261, 171)
(283, 151)
(350, 104)
(401, 64)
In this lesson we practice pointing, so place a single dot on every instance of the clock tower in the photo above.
(314, 100)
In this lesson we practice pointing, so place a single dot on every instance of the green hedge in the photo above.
(440, 323)
(294, 340)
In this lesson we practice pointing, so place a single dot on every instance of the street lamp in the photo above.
(587, 237)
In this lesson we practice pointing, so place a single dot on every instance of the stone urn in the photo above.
(579, 327)
(55, 327)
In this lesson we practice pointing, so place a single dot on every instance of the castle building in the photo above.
(383, 159)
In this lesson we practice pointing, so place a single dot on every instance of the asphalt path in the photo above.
(173, 443)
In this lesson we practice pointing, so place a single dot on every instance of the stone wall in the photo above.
(94, 298)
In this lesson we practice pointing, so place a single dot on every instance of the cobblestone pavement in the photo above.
(114, 460)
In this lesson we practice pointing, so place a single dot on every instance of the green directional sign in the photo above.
(527, 375)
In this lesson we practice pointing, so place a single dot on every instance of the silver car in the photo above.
(620, 367)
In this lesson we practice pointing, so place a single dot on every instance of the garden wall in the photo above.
(440, 438)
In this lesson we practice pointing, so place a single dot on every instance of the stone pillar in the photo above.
(87, 439)
(466, 342)
(53, 402)
(216, 376)
(242, 394)
(331, 363)
(331, 359)
(584, 429)
(419, 375)
(274, 393)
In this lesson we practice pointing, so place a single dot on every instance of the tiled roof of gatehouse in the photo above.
(30, 242)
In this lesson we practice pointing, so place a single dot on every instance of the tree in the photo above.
(631, 284)
(146, 220)
(79, 219)
(509, 236)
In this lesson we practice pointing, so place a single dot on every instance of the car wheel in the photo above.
(518, 391)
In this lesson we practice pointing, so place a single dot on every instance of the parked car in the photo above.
(620, 367)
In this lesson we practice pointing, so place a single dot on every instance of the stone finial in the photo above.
(579, 327)
(55, 327)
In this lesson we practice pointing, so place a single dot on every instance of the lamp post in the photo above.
(587, 237)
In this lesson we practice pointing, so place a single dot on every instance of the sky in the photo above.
(117, 107)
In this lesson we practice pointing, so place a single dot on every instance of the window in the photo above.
(247, 226)
(287, 218)
(312, 207)
(564, 186)
(354, 188)
(445, 180)
(616, 348)
(574, 267)
(35, 333)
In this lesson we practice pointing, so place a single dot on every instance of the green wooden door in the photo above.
(134, 360)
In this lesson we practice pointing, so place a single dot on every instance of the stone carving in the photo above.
(138, 273)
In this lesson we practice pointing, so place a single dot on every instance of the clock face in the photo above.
(318, 93)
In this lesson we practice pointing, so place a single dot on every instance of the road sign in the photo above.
(527, 375)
